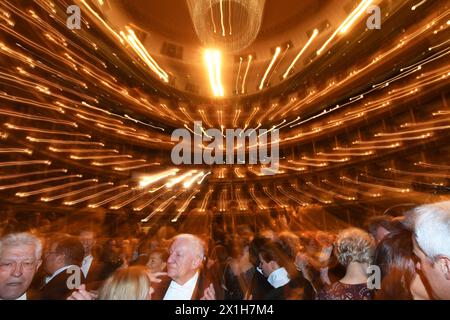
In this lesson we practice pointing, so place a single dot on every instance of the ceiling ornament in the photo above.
(230, 25)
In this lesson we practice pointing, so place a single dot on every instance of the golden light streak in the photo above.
(433, 166)
(50, 189)
(72, 193)
(351, 154)
(71, 203)
(134, 198)
(312, 196)
(247, 123)
(151, 179)
(414, 7)
(186, 114)
(213, 62)
(179, 179)
(327, 160)
(347, 23)
(421, 137)
(24, 163)
(37, 118)
(99, 157)
(187, 184)
(221, 18)
(292, 168)
(274, 199)
(120, 195)
(236, 117)
(400, 190)
(238, 173)
(391, 146)
(310, 40)
(332, 193)
(274, 58)
(163, 206)
(32, 183)
(258, 201)
(205, 200)
(53, 141)
(250, 58)
(242, 204)
(102, 21)
(185, 205)
(290, 196)
(419, 174)
(381, 134)
(371, 195)
(222, 200)
(204, 118)
(103, 164)
(27, 174)
(15, 150)
(30, 129)
(323, 164)
(139, 48)
(149, 202)
(59, 150)
(136, 167)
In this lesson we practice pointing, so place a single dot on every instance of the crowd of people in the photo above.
(406, 257)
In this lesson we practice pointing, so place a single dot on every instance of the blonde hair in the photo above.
(354, 245)
(132, 283)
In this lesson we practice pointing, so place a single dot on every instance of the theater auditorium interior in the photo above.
(220, 117)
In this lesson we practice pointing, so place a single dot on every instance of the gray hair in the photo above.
(17, 239)
(354, 245)
(432, 228)
(198, 244)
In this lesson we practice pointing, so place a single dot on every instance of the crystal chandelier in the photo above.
(229, 25)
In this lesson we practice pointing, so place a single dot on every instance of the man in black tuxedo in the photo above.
(92, 267)
(63, 265)
(186, 278)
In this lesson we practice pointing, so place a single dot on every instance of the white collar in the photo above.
(188, 284)
(87, 258)
(279, 278)
(181, 292)
(22, 297)
(48, 279)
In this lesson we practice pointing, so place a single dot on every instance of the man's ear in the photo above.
(38, 264)
(444, 265)
(197, 262)
(61, 259)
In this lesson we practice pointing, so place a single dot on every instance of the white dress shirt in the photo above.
(86, 264)
(181, 292)
(22, 297)
(278, 278)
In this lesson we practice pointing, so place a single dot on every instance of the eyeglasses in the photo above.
(12, 265)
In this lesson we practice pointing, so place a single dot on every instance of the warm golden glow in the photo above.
(213, 59)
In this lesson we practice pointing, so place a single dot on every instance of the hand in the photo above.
(82, 294)
(155, 277)
(209, 293)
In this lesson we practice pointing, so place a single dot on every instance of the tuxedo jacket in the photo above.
(96, 274)
(203, 282)
(57, 288)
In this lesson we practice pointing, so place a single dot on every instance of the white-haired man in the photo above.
(20, 258)
(186, 279)
(431, 240)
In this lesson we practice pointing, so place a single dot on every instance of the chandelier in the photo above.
(229, 25)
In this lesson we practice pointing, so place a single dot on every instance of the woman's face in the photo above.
(155, 263)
